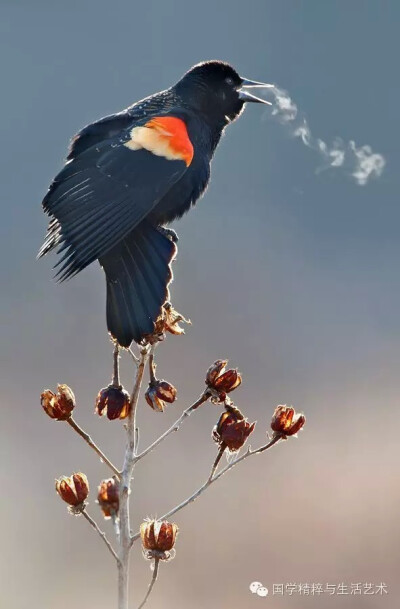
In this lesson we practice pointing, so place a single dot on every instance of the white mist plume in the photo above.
(362, 163)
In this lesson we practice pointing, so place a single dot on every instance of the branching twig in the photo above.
(213, 479)
(129, 463)
(89, 441)
(95, 526)
(153, 581)
(175, 426)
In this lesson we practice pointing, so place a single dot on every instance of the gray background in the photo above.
(292, 275)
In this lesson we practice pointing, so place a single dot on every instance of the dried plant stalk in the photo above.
(230, 433)
(126, 477)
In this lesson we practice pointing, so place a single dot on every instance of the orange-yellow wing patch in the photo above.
(163, 136)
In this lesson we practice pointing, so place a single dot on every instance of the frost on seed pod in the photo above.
(73, 490)
(113, 402)
(286, 421)
(232, 430)
(158, 393)
(158, 539)
(60, 405)
(221, 380)
(108, 497)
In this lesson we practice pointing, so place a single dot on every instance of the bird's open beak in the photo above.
(246, 96)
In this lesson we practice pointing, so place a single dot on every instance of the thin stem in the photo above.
(137, 438)
(230, 466)
(214, 478)
(175, 426)
(153, 581)
(115, 379)
(134, 357)
(248, 453)
(115, 521)
(152, 367)
(92, 445)
(131, 427)
(95, 526)
(127, 470)
(217, 460)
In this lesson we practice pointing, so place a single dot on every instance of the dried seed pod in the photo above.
(158, 393)
(113, 402)
(73, 490)
(232, 430)
(60, 405)
(168, 321)
(108, 497)
(222, 381)
(286, 421)
(214, 371)
(158, 538)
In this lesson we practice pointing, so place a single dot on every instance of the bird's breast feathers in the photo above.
(165, 136)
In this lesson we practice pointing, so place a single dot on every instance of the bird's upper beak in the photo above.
(246, 96)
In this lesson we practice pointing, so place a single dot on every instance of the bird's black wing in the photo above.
(105, 128)
(101, 195)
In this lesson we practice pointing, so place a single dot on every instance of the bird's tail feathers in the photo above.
(138, 272)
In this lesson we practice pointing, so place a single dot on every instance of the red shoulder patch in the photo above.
(174, 133)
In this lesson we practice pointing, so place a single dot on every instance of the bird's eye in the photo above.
(229, 81)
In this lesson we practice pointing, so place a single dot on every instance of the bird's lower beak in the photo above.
(246, 96)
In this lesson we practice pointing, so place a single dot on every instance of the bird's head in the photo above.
(215, 89)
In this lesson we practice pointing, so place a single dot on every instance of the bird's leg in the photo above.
(168, 232)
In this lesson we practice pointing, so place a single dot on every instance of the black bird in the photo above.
(130, 174)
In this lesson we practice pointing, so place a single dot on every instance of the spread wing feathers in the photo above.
(52, 238)
(138, 273)
(92, 134)
(100, 196)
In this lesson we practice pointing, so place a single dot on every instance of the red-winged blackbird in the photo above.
(127, 176)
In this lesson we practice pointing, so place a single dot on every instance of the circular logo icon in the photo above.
(254, 586)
